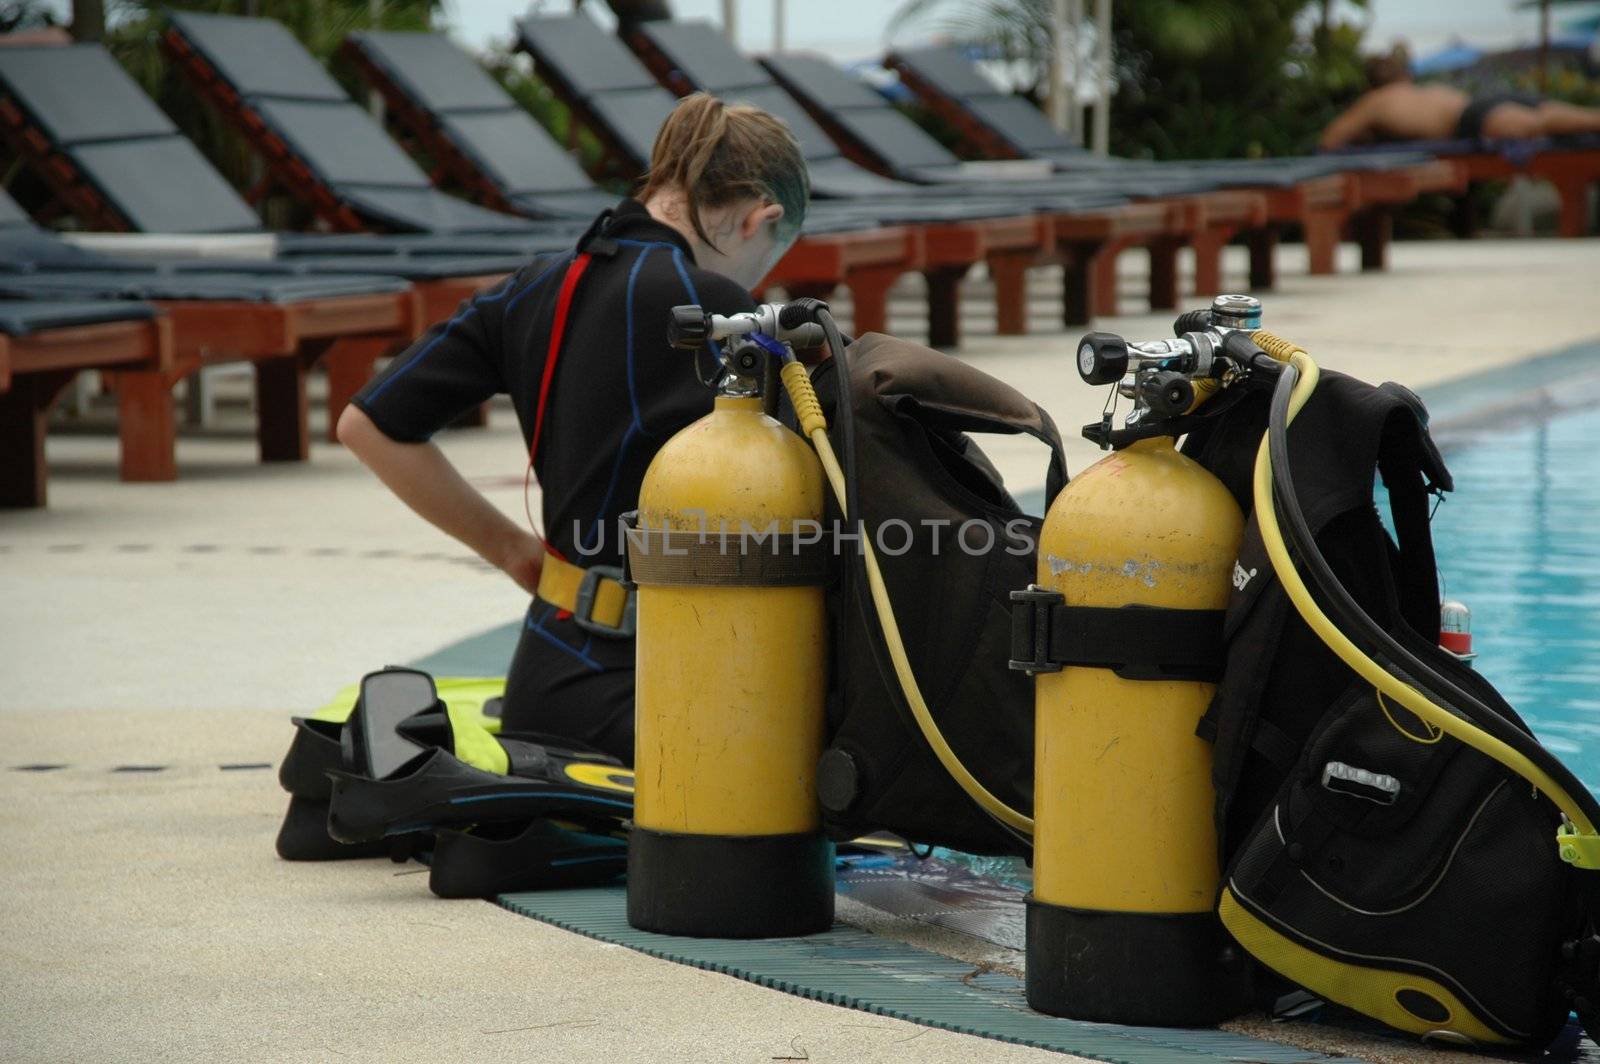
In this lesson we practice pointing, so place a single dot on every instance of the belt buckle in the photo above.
(583, 604)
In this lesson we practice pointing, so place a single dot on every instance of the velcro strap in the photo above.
(1135, 642)
(692, 558)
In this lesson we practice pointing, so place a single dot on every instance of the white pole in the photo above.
(374, 100)
(779, 11)
(730, 21)
(1102, 77)
(1054, 103)
(1073, 70)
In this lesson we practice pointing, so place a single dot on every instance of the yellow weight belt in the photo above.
(596, 597)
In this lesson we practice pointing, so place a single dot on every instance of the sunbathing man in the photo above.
(1397, 108)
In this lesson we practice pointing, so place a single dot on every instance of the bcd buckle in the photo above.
(589, 590)
(1030, 629)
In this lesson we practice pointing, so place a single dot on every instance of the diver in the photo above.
(578, 340)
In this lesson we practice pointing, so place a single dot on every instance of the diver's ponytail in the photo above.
(716, 154)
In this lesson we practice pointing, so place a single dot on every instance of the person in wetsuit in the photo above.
(1397, 109)
(578, 340)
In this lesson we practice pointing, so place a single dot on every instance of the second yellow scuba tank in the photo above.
(731, 676)
(1123, 632)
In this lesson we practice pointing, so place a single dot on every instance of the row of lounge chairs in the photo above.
(397, 251)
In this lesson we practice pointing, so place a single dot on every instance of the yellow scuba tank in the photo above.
(1124, 628)
(731, 677)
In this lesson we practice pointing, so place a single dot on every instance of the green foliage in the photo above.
(27, 15)
(1195, 78)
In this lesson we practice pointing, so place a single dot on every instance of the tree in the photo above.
(88, 19)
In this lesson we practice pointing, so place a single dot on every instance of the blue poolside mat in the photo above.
(860, 970)
(485, 654)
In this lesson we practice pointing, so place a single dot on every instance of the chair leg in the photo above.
(1463, 218)
(1208, 245)
(349, 365)
(1104, 269)
(1373, 230)
(869, 292)
(1164, 272)
(1322, 240)
(147, 423)
(1010, 273)
(24, 415)
(282, 417)
(1574, 192)
(944, 305)
(1079, 281)
(1263, 244)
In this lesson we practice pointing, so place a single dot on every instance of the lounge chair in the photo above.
(317, 144)
(43, 345)
(120, 165)
(1362, 195)
(445, 102)
(1571, 164)
(471, 128)
(281, 322)
(611, 91)
(692, 55)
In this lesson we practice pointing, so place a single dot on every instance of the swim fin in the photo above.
(502, 857)
(303, 836)
(442, 790)
(318, 749)
(412, 764)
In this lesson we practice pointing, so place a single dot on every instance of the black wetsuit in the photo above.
(1470, 124)
(619, 392)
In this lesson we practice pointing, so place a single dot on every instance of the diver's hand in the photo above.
(523, 560)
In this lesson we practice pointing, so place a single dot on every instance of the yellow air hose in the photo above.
(1445, 721)
(813, 425)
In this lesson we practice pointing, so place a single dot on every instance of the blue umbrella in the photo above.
(1457, 56)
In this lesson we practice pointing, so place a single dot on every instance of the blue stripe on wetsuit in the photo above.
(462, 315)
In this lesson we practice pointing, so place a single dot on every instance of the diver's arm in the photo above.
(423, 478)
(1348, 128)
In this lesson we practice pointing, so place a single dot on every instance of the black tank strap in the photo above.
(1135, 642)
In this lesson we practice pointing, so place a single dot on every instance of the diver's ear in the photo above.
(758, 216)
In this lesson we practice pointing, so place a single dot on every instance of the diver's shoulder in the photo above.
(719, 292)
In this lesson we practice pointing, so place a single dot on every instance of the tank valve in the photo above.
(1167, 393)
(688, 328)
(1166, 379)
(1102, 358)
(1455, 629)
(1236, 312)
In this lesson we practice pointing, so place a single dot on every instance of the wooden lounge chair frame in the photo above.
(36, 368)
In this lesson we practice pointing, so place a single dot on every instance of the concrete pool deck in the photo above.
(178, 625)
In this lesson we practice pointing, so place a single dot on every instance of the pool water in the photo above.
(1519, 542)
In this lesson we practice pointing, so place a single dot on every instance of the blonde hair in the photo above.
(717, 154)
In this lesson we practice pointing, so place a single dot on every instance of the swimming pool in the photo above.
(1519, 542)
